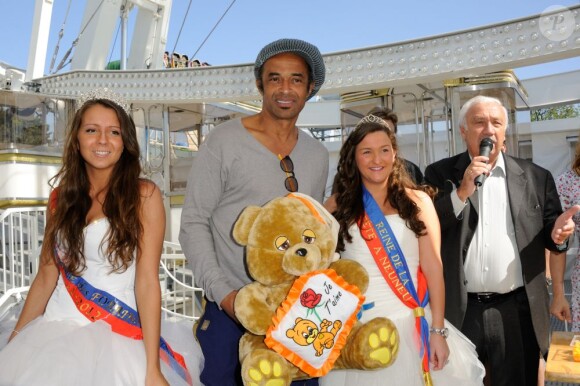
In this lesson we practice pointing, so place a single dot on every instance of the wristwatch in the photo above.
(444, 332)
(548, 281)
(562, 247)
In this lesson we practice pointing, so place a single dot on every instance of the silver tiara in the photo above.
(371, 119)
(102, 93)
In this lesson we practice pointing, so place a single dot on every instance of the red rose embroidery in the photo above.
(309, 298)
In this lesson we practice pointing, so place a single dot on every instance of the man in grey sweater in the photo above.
(242, 162)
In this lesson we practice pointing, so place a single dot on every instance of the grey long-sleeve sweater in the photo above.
(231, 171)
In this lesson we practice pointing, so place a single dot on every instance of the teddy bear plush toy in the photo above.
(292, 310)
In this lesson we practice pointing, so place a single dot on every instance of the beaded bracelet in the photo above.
(444, 332)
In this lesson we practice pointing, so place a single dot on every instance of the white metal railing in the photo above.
(12, 298)
(21, 235)
(179, 296)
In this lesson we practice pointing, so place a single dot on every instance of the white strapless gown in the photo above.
(62, 347)
(463, 368)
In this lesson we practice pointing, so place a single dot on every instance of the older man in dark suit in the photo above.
(493, 240)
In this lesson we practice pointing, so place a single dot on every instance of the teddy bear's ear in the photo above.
(244, 224)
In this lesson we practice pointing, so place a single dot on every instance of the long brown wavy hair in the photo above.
(121, 205)
(348, 185)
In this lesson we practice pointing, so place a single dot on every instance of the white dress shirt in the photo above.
(492, 263)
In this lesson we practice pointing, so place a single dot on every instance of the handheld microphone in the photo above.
(485, 147)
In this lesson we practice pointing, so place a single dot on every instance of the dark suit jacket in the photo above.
(534, 205)
(413, 170)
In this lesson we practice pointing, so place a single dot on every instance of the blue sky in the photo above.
(333, 25)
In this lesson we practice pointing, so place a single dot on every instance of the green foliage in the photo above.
(14, 129)
(33, 135)
(560, 112)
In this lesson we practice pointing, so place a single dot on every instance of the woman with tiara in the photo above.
(389, 225)
(93, 314)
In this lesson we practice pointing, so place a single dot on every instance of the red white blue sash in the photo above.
(390, 260)
(96, 304)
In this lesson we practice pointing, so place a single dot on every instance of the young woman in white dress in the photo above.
(99, 264)
(373, 192)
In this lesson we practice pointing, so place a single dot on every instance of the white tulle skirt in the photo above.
(65, 353)
(463, 369)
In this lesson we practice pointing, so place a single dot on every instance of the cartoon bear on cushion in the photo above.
(290, 248)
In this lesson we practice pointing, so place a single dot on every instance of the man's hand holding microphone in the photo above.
(477, 170)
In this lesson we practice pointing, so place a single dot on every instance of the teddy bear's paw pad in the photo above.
(384, 345)
(266, 374)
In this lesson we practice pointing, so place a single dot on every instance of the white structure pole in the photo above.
(39, 39)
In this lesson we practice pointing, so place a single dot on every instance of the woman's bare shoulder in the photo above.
(418, 196)
(148, 189)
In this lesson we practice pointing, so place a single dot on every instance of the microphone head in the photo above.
(485, 146)
(486, 142)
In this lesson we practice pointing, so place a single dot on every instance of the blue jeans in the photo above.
(219, 338)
